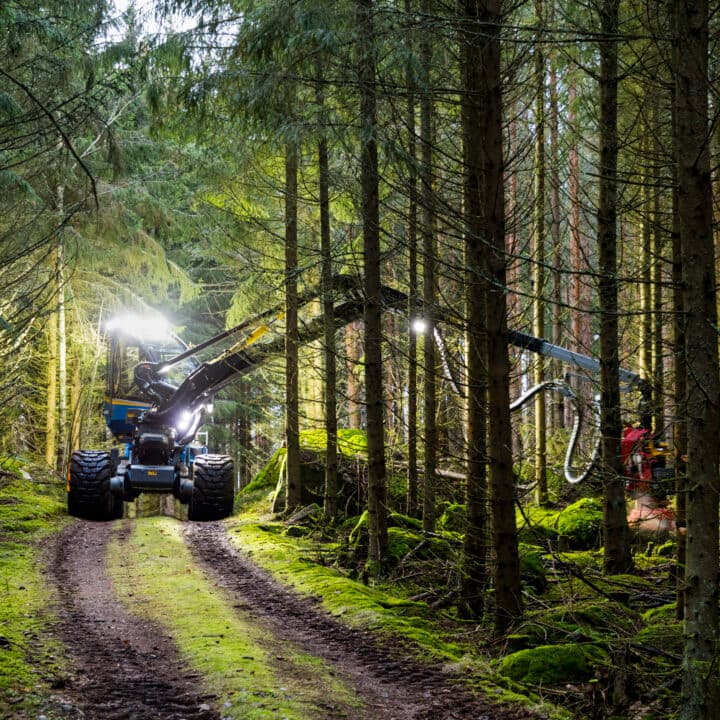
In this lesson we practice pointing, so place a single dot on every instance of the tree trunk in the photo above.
(558, 406)
(581, 338)
(51, 413)
(352, 356)
(377, 510)
(646, 265)
(617, 547)
(680, 398)
(538, 272)
(658, 359)
(700, 673)
(63, 434)
(292, 418)
(411, 503)
(483, 18)
(429, 295)
(331, 456)
(475, 549)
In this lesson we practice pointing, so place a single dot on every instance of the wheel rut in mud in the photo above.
(393, 686)
(122, 666)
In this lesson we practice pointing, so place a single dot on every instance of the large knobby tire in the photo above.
(89, 494)
(213, 488)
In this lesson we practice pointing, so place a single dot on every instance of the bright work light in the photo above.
(143, 327)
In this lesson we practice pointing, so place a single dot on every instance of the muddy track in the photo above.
(121, 667)
(392, 685)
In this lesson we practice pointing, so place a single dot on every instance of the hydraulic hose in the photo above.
(562, 387)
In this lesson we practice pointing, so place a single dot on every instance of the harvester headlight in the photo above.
(152, 326)
(184, 421)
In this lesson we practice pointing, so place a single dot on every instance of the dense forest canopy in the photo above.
(545, 167)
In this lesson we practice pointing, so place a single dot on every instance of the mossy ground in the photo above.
(29, 656)
(256, 676)
(436, 636)
(595, 622)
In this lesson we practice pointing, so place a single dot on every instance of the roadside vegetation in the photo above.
(30, 657)
(589, 644)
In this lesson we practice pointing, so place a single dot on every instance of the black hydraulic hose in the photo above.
(560, 386)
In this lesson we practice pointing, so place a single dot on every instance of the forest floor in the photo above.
(259, 618)
(139, 645)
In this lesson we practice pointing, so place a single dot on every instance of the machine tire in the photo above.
(89, 495)
(213, 492)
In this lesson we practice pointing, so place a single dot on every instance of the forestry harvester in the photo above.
(158, 392)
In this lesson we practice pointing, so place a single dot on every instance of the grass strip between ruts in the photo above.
(254, 675)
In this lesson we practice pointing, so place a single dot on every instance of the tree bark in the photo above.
(429, 294)
(617, 547)
(292, 417)
(63, 434)
(411, 503)
(482, 18)
(475, 548)
(377, 510)
(538, 272)
(331, 455)
(51, 412)
(557, 413)
(700, 693)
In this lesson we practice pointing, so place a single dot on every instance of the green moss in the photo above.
(585, 620)
(28, 514)
(291, 561)
(582, 523)
(268, 477)
(664, 613)
(453, 518)
(360, 529)
(532, 568)
(553, 664)
(667, 635)
(156, 572)
(404, 521)
(537, 525)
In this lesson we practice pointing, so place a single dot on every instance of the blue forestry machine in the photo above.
(158, 392)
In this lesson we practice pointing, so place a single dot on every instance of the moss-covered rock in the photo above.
(352, 450)
(537, 525)
(553, 664)
(581, 523)
(401, 542)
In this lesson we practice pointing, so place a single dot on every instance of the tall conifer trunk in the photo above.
(51, 422)
(411, 503)
(377, 510)
(538, 273)
(483, 18)
(558, 407)
(700, 689)
(475, 547)
(331, 459)
(63, 434)
(429, 294)
(617, 548)
(292, 417)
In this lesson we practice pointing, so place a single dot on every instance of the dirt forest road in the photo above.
(124, 664)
